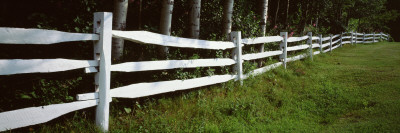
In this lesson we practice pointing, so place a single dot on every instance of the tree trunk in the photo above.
(287, 14)
(165, 23)
(263, 23)
(277, 11)
(264, 15)
(119, 23)
(140, 15)
(195, 19)
(227, 16)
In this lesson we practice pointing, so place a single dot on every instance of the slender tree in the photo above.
(263, 23)
(165, 23)
(287, 13)
(227, 18)
(119, 23)
(277, 11)
(195, 19)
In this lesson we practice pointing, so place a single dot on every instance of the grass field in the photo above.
(352, 89)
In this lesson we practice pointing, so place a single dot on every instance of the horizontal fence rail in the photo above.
(101, 64)
(16, 66)
(39, 36)
(164, 40)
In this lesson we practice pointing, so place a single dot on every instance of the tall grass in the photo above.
(352, 89)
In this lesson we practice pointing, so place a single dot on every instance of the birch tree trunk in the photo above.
(264, 15)
(195, 19)
(165, 23)
(227, 16)
(263, 23)
(119, 23)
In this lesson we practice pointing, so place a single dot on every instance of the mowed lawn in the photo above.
(352, 89)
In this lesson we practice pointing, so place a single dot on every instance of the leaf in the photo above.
(128, 110)
(23, 96)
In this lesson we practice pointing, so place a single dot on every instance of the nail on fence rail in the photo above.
(102, 67)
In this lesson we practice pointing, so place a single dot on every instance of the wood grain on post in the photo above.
(102, 25)
(236, 37)
(283, 47)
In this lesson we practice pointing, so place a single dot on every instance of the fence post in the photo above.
(236, 37)
(373, 40)
(351, 40)
(341, 40)
(320, 43)
(310, 49)
(380, 37)
(364, 37)
(355, 41)
(330, 43)
(283, 47)
(102, 25)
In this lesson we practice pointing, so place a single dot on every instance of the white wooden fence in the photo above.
(101, 64)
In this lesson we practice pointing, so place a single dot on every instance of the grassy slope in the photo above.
(351, 89)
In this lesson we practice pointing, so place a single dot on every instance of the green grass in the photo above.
(352, 89)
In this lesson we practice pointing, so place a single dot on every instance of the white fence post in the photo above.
(355, 41)
(320, 43)
(341, 40)
(283, 47)
(380, 37)
(364, 37)
(351, 40)
(236, 37)
(330, 43)
(310, 49)
(102, 25)
(373, 40)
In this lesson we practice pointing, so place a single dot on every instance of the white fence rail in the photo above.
(101, 65)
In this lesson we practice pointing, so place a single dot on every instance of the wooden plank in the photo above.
(283, 47)
(36, 115)
(87, 96)
(327, 50)
(296, 39)
(316, 52)
(334, 42)
(102, 25)
(336, 46)
(148, 89)
(326, 38)
(259, 40)
(41, 36)
(298, 47)
(262, 70)
(315, 45)
(369, 38)
(326, 44)
(261, 55)
(346, 42)
(346, 37)
(236, 37)
(315, 38)
(164, 40)
(170, 64)
(298, 57)
(91, 70)
(335, 36)
(15, 66)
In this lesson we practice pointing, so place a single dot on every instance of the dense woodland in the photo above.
(213, 23)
